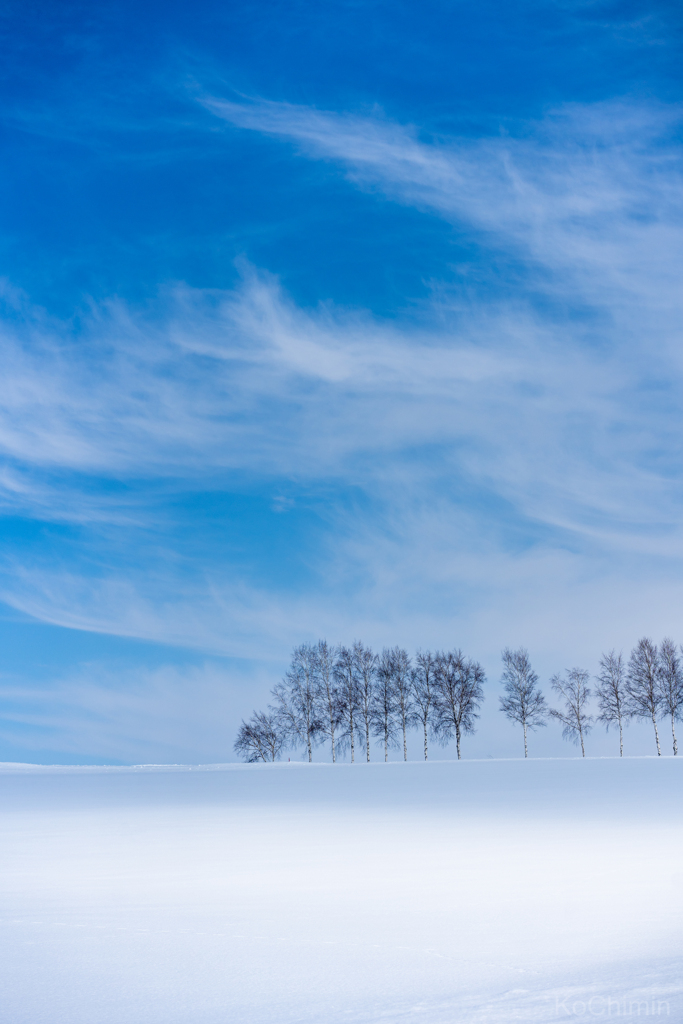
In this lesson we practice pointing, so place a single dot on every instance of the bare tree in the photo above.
(642, 684)
(383, 708)
(671, 684)
(327, 694)
(459, 695)
(347, 681)
(259, 739)
(424, 692)
(402, 690)
(365, 668)
(294, 700)
(523, 701)
(575, 693)
(611, 694)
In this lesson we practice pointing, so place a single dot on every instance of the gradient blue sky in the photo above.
(346, 319)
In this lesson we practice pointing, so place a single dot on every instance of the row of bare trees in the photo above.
(344, 696)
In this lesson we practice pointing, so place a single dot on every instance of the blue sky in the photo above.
(344, 320)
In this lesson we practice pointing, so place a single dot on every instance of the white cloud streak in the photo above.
(587, 191)
(246, 381)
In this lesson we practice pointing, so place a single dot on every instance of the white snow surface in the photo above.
(478, 891)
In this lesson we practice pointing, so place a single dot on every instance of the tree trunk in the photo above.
(583, 752)
(353, 749)
(673, 733)
(367, 738)
(334, 753)
(405, 743)
(654, 722)
(310, 748)
(621, 738)
(425, 739)
(457, 740)
(526, 749)
(386, 744)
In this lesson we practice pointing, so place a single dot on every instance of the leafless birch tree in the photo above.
(671, 684)
(460, 693)
(295, 704)
(642, 684)
(402, 691)
(365, 667)
(575, 693)
(347, 681)
(327, 694)
(611, 694)
(383, 708)
(523, 701)
(259, 739)
(424, 693)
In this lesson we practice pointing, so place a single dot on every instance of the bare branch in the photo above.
(612, 695)
(523, 701)
(365, 663)
(424, 693)
(294, 700)
(383, 708)
(349, 696)
(670, 678)
(575, 693)
(459, 695)
(642, 684)
(327, 696)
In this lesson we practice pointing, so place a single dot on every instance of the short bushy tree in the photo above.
(259, 739)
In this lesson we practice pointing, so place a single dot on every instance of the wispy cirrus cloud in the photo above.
(588, 190)
(469, 440)
(246, 381)
(529, 435)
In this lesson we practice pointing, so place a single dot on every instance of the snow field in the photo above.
(422, 893)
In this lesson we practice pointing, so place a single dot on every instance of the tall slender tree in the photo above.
(383, 707)
(424, 692)
(259, 739)
(328, 699)
(671, 684)
(459, 689)
(575, 693)
(642, 684)
(365, 667)
(347, 682)
(402, 691)
(611, 693)
(523, 701)
(295, 702)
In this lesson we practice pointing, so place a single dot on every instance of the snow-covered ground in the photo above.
(443, 892)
